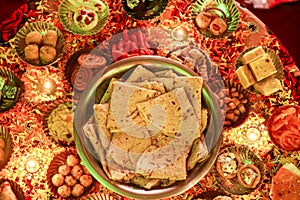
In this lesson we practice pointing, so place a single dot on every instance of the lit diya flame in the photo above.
(252, 134)
(32, 165)
(179, 33)
(47, 86)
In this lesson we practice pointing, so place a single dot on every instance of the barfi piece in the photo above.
(268, 86)
(262, 68)
(253, 55)
(245, 76)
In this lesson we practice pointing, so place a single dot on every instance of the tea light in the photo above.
(252, 134)
(47, 86)
(179, 33)
(32, 165)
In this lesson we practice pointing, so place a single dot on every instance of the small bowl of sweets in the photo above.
(39, 44)
(83, 17)
(214, 18)
(67, 178)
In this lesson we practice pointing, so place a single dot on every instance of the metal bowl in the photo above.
(92, 95)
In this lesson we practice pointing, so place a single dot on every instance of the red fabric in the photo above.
(13, 16)
(10, 26)
(8, 7)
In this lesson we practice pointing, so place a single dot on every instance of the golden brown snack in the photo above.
(2, 154)
(64, 191)
(72, 160)
(245, 76)
(218, 26)
(34, 37)
(58, 180)
(203, 20)
(2, 143)
(77, 190)
(32, 52)
(85, 170)
(77, 172)
(86, 180)
(47, 54)
(70, 180)
(249, 176)
(50, 38)
(64, 170)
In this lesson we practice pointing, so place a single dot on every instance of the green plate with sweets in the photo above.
(225, 9)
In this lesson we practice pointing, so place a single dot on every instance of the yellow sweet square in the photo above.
(262, 68)
(253, 54)
(245, 76)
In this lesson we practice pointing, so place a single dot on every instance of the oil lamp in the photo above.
(252, 134)
(47, 86)
(32, 165)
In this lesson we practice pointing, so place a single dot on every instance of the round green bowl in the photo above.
(68, 8)
(226, 9)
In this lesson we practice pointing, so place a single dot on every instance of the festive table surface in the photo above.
(24, 120)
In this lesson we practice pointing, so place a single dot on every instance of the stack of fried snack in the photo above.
(258, 71)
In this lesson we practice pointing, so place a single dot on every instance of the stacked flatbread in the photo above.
(150, 127)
